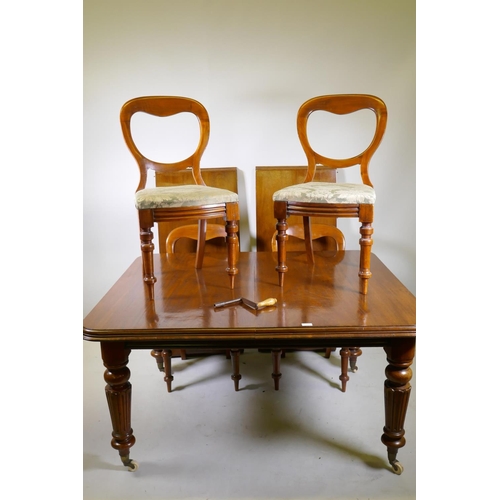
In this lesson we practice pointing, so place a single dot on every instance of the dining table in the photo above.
(318, 306)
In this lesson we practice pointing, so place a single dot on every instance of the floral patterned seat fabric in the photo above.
(327, 192)
(182, 196)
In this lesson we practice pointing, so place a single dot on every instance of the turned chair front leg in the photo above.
(365, 242)
(233, 248)
(147, 247)
(280, 214)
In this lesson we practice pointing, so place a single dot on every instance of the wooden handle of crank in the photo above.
(266, 303)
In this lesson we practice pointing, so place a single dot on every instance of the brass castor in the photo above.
(131, 464)
(397, 467)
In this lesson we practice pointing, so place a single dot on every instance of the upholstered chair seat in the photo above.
(182, 196)
(327, 192)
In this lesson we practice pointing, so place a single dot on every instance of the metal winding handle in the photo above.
(227, 303)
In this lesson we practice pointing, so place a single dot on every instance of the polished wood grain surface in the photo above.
(324, 296)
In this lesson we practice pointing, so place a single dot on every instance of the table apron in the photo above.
(266, 343)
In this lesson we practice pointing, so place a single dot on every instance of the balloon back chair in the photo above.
(328, 199)
(180, 202)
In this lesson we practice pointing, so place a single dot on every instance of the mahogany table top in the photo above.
(317, 304)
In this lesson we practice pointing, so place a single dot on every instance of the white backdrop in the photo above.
(252, 63)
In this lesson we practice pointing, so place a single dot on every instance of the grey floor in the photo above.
(205, 441)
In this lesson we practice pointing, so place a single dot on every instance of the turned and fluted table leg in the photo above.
(118, 395)
(397, 390)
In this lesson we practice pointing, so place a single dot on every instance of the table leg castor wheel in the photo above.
(397, 468)
(131, 464)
